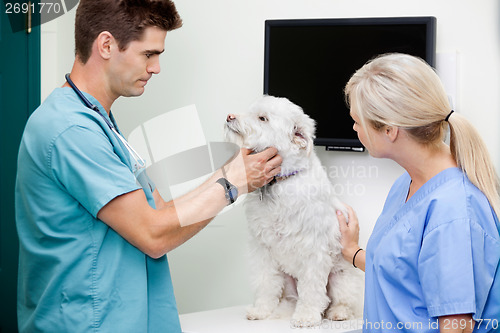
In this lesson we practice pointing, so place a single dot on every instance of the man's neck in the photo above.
(88, 80)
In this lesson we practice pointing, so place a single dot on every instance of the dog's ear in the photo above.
(303, 134)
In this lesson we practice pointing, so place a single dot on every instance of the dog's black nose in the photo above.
(230, 117)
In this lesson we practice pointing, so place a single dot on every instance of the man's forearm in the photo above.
(193, 212)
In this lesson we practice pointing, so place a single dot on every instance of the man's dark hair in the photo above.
(126, 20)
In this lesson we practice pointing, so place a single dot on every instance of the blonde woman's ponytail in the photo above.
(472, 156)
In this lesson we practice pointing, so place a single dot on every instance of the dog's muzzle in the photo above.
(231, 123)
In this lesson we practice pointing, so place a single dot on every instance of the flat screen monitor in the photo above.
(309, 61)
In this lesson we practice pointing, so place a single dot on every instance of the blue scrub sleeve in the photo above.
(455, 270)
(83, 161)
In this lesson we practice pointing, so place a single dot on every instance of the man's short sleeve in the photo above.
(84, 162)
(455, 271)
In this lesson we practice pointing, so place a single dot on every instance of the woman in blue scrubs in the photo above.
(432, 261)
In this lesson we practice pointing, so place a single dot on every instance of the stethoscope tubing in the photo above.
(141, 163)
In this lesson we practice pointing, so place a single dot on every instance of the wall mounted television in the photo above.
(309, 61)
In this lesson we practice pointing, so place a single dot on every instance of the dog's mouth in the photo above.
(230, 126)
(237, 133)
(234, 127)
(233, 134)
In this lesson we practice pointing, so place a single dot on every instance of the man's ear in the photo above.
(392, 133)
(105, 43)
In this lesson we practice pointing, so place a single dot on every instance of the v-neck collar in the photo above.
(433, 183)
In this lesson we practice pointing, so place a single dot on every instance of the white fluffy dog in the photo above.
(295, 238)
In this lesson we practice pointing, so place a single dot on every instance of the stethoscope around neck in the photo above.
(140, 163)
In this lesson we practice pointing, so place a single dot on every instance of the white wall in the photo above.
(216, 62)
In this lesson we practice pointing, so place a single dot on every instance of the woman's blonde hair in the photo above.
(404, 91)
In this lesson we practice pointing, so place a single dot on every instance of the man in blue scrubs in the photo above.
(93, 228)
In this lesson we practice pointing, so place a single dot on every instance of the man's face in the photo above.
(131, 68)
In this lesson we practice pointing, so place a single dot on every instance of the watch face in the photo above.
(233, 192)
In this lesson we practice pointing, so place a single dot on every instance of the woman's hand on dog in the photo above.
(350, 235)
(249, 171)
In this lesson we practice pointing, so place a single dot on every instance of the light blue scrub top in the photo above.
(437, 254)
(75, 273)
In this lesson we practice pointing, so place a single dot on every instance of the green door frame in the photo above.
(35, 66)
(28, 95)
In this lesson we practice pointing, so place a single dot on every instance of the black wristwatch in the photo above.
(230, 190)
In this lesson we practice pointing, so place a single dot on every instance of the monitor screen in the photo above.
(310, 61)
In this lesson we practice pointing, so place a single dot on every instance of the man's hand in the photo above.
(249, 171)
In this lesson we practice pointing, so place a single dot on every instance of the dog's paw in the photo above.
(258, 312)
(339, 312)
(306, 318)
(284, 310)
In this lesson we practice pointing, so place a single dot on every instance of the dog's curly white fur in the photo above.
(295, 239)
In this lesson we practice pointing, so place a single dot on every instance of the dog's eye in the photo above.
(262, 118)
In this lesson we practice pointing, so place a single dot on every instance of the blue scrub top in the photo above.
(437, 254)
(75, 273)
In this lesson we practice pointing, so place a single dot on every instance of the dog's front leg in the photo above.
(313, 300)
(268, 282)
(345, 288)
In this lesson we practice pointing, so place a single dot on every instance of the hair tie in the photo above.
(448, 116)
(354, 257)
